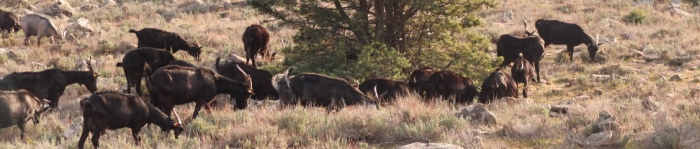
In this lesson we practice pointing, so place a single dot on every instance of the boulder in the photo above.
(477, 114)
(59, 8)
(604, 133)
(88, 7)
(428, 145)
(566, 109)
(649, 104)
(78, 29)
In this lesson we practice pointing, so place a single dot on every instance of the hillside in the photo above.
(634, 79)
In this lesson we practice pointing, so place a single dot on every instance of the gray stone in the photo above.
(88, 7)
(477, 114)
(428, 145)
(78, 29)
(565, 110)
(59, 9)
(649, 104)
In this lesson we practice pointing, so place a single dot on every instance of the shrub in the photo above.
(636, 16)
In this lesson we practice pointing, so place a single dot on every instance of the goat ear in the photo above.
(176, 124)
(601, 43)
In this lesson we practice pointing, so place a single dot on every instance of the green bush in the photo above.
(636, 16)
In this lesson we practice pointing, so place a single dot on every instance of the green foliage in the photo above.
(377, 60)
(361, 39)
(636, 16)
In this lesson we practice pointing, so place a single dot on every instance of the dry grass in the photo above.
(661, 37)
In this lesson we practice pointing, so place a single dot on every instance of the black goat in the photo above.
(113, 110)
(448, 84)
(50, 84)
(262, 80)
(562, 33)
(418, 76)
(255, 39)
(142, 61)
(497, 85)
(156, 38)
(511, 47)
(522, 72)
(311, 89)
(387, 89)
(175, 85)
(8, 22)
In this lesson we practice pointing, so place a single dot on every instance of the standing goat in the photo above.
(156, 38)
(497, 85)
(113, 110)
(8, 22)
(175, 85)
(530, 47)
(522, 72)
(142, 61)
(39, 26)
(255, 40)
(19, 107)
(51, 83)
(562, 33)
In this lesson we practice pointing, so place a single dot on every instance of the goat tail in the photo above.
(216, 64)
(120, 64)
(286, 76)
(86, 106)
(132, 31)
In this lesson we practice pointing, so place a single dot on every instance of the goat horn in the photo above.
(179, 121)
(89, 65)
(375, 92)
(597, 39)
(248, 81)
(525, 23)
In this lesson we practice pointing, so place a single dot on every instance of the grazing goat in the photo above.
(175, 85)
(262, 80)
(39, 26)
(388, 89)
(497, 85)
(8, 22)
(50, 84)
(418, 76)
(522, 72)
(311, 89)
(18, 107)
(156, 38)
(113, 110)
(562, 33)
(448, 84)
(142, 61)
(255, 39)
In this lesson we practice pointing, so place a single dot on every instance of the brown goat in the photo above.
(522, 72)
(255, 39)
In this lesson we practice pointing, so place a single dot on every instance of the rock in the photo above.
(649, 104)
(78, 29)
(422, 145)
(604, 133)
(59, 9)
(696, 79)
(477, 114)
(598, 92)
(694, 92)
(108, 3)
(565, 110)
(676, 78)
(88, 7)
(582, 97)
(678, 61)
(190, 4)
(628, 36)
(73, 128)
(16, 4)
